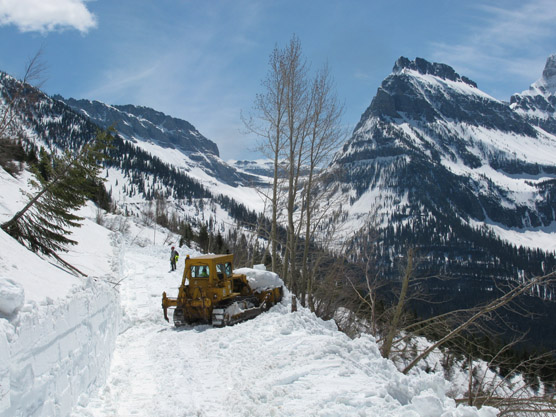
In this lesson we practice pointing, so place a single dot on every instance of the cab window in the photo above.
(200, 271)
(220, 271)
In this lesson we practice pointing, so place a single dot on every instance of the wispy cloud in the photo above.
(46, 15)
(510, 39)
(119, 81)
(189, 71)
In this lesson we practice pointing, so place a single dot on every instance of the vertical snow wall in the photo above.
(53, 353)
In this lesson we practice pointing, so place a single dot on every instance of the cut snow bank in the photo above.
(52, 353)
(57, 331)
(12, 296)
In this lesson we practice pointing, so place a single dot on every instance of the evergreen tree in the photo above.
(219, 245)
(11, 153)
(44, 169)
(187, 235)
(63, 185)
(203, 238)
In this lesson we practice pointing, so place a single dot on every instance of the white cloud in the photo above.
(46, 15)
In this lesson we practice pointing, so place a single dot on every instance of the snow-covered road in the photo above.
(278, 364)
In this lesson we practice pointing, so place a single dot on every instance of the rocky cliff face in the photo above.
(143, 125)
(433, 137)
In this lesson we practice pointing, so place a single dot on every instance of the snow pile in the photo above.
(260, 279)
(54, 352)
(12, 296)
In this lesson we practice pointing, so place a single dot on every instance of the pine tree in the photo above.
(187, 235)
(11, 154)
(63, 184)
(204, 238)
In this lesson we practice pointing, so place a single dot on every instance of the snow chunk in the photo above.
(260, 279)
(12, 296)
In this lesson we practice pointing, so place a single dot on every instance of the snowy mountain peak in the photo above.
(425, 67)
(421, 91)
(433, 154)
(547, 83)
(538, 103)
(549, 72)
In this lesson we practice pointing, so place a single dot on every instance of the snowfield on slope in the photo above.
(278, 364)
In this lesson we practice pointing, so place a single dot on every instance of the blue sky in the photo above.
(203, 61)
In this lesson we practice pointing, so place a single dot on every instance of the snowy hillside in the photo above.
(153, 157)
(57, 331)
(467, 181)
(434, 159)
(57, 341)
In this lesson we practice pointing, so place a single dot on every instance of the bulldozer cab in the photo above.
(210, 269)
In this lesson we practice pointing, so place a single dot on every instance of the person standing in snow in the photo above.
(174, 255)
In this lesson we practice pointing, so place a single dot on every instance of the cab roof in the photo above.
(207, 257)
(224, 258)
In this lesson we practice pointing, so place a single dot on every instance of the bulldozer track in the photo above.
(235, 311)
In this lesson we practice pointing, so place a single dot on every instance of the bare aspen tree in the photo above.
(496, 304)
(365, 266)
(297, 117)
(324, 136)
(269, 125)
(510, 391)
(294, 71)
(394, 325)
(22, 95)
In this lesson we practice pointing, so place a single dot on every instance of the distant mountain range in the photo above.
(434, 163)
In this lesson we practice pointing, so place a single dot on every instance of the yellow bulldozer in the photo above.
(211, 293)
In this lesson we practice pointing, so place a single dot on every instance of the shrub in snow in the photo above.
(12, 296)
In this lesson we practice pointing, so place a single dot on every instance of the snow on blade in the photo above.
(260, 279)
